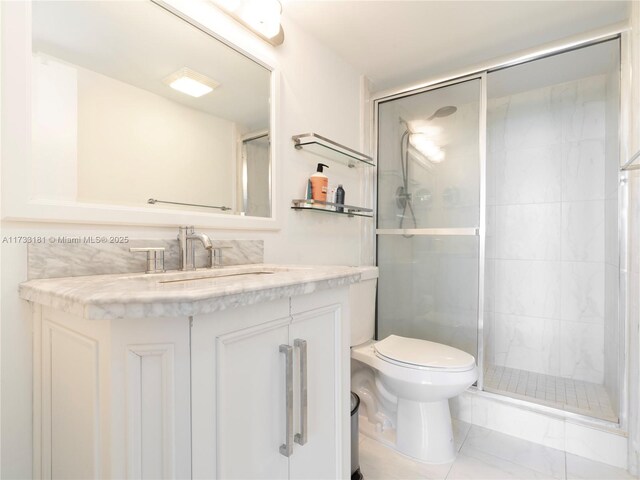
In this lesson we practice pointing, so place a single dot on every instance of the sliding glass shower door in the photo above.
(499, 208)
(429, 247)
(553, 334)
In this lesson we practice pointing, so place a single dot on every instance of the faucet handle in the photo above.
(215, 257)
(185, 230)
(155, 258)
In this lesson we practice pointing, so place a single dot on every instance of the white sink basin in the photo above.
(240, 271)
(195, 276)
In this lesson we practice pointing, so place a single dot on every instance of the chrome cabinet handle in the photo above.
(286, 448)
(301, 438)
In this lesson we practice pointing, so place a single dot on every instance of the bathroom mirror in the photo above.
(134, 106)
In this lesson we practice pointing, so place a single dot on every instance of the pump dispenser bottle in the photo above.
(319, 183)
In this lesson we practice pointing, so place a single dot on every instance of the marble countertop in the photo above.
(129, 295)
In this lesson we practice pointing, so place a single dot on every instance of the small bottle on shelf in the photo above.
(340, 198)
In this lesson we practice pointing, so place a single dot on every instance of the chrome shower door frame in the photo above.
(619, 31)
(479, 230)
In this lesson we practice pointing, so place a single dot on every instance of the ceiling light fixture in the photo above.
(262, 17)
(191, 82)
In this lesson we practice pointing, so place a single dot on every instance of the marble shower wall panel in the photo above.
(546, 221)
(533, 343)
(428, 289)
(613, 338)
(456, 290)
(530, 175)
(396, 295)
(53, 260)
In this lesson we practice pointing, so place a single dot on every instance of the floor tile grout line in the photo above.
(459, 451)
(520, 465)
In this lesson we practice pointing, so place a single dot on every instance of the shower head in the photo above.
(443, 112)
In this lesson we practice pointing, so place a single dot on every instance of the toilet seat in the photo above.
(423, 354)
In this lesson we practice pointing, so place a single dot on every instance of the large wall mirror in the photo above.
(134, 106)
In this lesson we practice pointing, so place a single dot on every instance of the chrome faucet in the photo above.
(186, 236)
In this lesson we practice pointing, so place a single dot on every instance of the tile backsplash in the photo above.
(76, 259)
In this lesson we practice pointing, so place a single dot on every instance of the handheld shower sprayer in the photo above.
(403, 195)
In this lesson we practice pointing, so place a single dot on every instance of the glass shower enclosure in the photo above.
(497, 225)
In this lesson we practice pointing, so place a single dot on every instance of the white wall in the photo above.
(318, 92)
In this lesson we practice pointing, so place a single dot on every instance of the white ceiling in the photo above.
(397, 42)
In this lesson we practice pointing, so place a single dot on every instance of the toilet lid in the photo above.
(422, 353)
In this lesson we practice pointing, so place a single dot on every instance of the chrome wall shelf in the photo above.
(326, 148)
(329, 207)
(632, 164)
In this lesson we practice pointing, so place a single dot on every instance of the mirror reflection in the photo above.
(132, 103)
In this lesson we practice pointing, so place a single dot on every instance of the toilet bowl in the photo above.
(405, 383)
(421, 376)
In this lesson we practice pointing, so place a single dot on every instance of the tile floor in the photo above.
(564, 393)
(484, 454)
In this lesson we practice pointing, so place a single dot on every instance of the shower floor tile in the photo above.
(575, 396)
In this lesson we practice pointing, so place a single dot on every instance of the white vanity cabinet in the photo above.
(111, 397)
(221, 380)
(242, 378)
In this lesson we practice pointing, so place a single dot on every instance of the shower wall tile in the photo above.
(528, 288)
(613, 354)
(611, 168)
(532, 120)
(583, 108)
(612, 276)
(583, 231)
(612, 141)
(612, 337)
(395, 297)
(497, 109)
(527, 343)
(528, 175)
(528, 232)
(551, 165)
(488, 331)
(583, 170)
(582, 351)
(491, 177)
(457, 286)
(611, 240)
(490, 238)
(457, 330)
(583, 292)
(490, 285)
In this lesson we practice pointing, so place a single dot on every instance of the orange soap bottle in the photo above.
(319, 183)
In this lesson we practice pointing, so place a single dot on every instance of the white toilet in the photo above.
(404, 383)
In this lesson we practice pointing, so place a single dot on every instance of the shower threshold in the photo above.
(575, 396)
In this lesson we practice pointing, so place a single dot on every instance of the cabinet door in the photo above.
(320, 456)
(111, 397)
(251, 402)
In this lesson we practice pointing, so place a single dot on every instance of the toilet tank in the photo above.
(362, 306)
